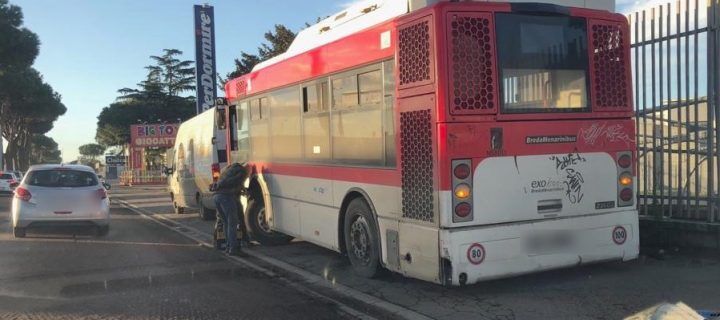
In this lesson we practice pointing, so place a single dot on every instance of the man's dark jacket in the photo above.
(232, 179)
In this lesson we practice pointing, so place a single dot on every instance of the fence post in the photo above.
(713, 102)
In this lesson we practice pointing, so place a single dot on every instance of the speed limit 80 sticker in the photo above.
(619, 235)
(476, 253)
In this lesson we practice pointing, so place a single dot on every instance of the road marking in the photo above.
(152, 204)
(165, 200)
(90, 241)
(307, 277)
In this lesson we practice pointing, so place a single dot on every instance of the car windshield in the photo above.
(6, 176)
(61, 178)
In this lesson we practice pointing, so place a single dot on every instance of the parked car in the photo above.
(8, 182)
(197, 157)
(18, 174)
(60, 195)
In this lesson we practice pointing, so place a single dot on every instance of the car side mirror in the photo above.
(106, 185)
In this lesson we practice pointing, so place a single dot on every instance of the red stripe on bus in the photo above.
(352, 51)
(387, 177)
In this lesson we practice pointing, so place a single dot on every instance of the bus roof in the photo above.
(363, 15)
(366, 13)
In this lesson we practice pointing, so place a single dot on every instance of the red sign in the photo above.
(137, 158)
(153, 135)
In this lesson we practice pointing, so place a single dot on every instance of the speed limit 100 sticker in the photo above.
(619, 235)
(476, 253)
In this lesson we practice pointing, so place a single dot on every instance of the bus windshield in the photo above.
(543, 62)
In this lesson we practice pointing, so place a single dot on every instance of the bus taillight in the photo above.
(625, 181)
(462, 190)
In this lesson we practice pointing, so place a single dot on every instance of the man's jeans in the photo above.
(227, 207)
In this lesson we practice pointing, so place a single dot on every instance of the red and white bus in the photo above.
(454, 142)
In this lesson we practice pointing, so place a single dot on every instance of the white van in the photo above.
(199, 153)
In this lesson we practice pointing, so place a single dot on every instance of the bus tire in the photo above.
(259, 228)
(361, 239)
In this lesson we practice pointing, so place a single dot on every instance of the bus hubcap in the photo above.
(360, 239)
(262, 223)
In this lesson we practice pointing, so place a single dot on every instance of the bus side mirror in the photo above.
(169, 171)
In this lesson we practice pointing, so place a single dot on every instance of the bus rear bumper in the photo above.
(491, 252)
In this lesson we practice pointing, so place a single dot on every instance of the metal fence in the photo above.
(142, 177)
(676, 68)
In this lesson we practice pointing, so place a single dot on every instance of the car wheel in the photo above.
(259, 227)
(361, 240)
(205, 213)
(103, 231)
(19, 232)
(178, 209)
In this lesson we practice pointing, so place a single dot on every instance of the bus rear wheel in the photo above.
(361, 240)
(259, 227)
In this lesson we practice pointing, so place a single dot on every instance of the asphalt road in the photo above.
(141, 270)
(147, 270)
(611, 290)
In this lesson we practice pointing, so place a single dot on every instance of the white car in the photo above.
(60, 195)
(8, 182)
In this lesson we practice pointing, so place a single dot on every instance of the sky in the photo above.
(91, 48)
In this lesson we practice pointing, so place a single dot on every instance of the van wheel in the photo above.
(178, 209)
(259, 227)
(103, 231)
(19, 232)
(205, 213)
(361, 240)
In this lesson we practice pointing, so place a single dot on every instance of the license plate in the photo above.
(551, 241)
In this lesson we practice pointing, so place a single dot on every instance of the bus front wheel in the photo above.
(361, 240)
(259, 227)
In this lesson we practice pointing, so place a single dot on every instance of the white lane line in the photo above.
(149, 194)
(152, 204)
(199, 236)
(88, 241)
(144, 200)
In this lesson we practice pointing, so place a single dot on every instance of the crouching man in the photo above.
(226, 195)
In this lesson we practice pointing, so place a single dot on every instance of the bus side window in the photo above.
(242, 134)
(285, 124)
(357, 136)
(232, 113)
(316, 122)
(260, 128)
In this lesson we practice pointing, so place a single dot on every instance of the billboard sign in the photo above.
(205, 71)
(153, 135)
(111, 160)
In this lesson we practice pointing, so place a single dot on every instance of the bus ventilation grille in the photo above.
(414, 53)
(609, 65)
(416, 165)
(472, 70)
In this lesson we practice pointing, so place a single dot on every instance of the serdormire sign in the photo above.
(153, 135)
(205, 71)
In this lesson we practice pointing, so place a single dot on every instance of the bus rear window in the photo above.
(543, 62)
